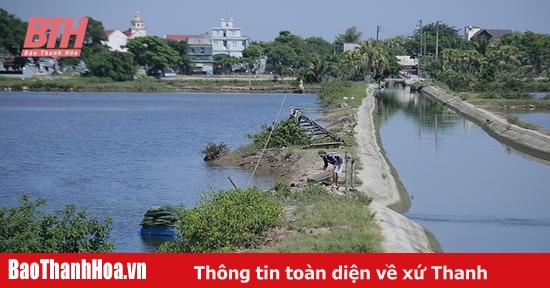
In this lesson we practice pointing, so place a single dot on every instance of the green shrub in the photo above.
(30, 228)
(287, 133)
(226, 221)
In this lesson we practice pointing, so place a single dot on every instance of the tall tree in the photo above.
(184, 62)
(119, 66)
(351, 35)
(12, 32)
(153, 52)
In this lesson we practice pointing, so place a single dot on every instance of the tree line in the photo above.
(475, 65)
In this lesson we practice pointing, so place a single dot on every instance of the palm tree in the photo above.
(317, 70)
(374, 57)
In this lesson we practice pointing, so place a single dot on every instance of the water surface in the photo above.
(474, 193)
(120, 153)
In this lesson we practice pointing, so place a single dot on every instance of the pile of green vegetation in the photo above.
(160, 217)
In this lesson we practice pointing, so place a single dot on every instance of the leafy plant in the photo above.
(226, 221)
(27, 229)
(285, 133)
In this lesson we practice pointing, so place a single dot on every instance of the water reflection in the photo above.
(474, 193)
(432, 118)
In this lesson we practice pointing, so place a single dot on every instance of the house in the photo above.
(200, 51)
(179, 37)
(489, 34)
(407, 61)
(348, 46)
(118, 39)
(228, 39)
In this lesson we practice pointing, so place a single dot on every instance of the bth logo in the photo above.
(41, 37)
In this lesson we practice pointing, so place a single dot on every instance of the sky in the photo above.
(262, 20)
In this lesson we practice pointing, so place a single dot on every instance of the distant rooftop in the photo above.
(179, 37)
(494, 33)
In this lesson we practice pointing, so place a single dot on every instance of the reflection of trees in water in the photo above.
(415, 106)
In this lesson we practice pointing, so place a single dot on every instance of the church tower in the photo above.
(138, 26)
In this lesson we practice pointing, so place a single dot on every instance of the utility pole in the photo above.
(437, 40)
(378, 30)
(420, 52)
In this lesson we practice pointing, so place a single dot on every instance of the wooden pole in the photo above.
(346, 181)
(352, 173)
(232, 182)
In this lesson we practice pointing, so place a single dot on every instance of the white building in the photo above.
(118, 39)
(351, 46)
(228, 39)
(470, 31)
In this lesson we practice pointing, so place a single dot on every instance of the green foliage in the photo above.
(309, 194)
(226, 221)
(153, 52)
(316, 71)
(118, 66)
(286, 133)
(27, 229)
(351, 35)
(12, 36)
(184, 61)
(214, 151)
(160, 217)
(333, 93)
(515, 120)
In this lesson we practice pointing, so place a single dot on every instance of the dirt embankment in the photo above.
(380, 181)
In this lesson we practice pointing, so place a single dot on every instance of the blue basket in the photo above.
(169, 232)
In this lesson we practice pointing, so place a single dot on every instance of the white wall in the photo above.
(116, 40)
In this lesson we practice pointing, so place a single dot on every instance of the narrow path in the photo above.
(380, 182)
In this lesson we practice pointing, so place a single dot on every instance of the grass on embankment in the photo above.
(500, 103)
(318, 221)
(75, 83)
(315, 219)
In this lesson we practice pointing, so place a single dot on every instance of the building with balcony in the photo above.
(228, 39)
(200, 51)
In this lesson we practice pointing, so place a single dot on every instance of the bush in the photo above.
(226, 221)
(27, 229)
(285, 134)
(214, 151)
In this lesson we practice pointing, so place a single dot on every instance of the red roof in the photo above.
(128, 32)
(108, 32)
(179, 37)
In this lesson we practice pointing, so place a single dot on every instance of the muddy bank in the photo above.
(380, 181)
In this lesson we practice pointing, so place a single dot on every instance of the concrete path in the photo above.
(401, 234)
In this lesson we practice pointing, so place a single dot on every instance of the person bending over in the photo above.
(335, 159)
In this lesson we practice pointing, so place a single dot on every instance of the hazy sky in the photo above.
(262, 20)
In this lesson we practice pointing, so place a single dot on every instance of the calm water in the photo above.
(119, 154)
(472, 192)
(541, 118)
